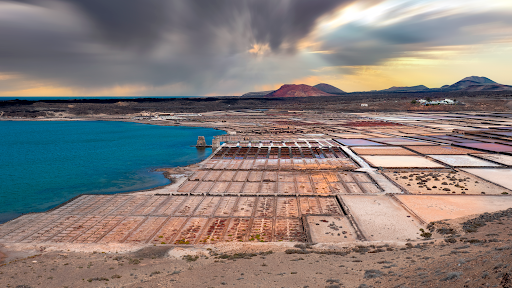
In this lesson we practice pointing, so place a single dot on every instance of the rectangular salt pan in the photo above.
(498, 176)
(463, 161)
(401, 162)
(503, 159)
(488, 146)
(382, 151)
(442, 150)
(357, 142)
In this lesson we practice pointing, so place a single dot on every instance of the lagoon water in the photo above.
(45, 163)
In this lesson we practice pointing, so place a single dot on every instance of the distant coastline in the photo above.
(93, 97)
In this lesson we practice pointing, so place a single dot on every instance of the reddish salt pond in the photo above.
(398, 141)
(442, 150)
(488, 146)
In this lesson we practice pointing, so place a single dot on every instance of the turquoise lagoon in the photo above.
(45, 163)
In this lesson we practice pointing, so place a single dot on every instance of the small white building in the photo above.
(440, 102)
(167, 116)
(141, 118)
(364, 105)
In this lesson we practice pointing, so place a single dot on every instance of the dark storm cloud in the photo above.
(145, 22)
(203, 44)
(123, 22)
(156, 42)
(131, 22)
(127, 22)
(273, 21)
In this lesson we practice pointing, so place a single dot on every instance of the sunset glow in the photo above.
(71, 48)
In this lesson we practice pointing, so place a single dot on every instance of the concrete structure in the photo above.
(201, 142)
(215, 144)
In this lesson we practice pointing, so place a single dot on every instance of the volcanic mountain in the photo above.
(488, 87)
(406, 89)
(301, 90)
(472, 80)
(475, 83)
(469, 84)
(257, 94)
(329, 89)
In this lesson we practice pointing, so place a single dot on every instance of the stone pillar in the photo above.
(215, 144)
(201, 142)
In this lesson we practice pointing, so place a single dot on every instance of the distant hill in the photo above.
(301, 90)
(481, 80)
(257, 94)
(472, 80)
(417, 88)
(329, 89)
(468, 84)
(488, 87)
(476, 83)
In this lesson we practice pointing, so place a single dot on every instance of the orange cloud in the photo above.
(50, 90)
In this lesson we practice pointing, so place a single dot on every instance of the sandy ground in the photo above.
(498, 176)
(434, 208)
(478, 259)
(444, 183)
(381, 218)
(329, 229)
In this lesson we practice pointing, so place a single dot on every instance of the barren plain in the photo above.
(291, 198)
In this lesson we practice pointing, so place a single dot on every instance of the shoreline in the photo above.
(165, 170)
(156, 122)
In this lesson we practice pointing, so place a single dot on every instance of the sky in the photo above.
(230, 47)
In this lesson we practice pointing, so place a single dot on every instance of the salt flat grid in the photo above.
(171, 219)
(262, 189)
(280, 183)
(280, 164)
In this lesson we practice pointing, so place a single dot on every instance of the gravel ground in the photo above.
(455, 182)
(477, 259)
